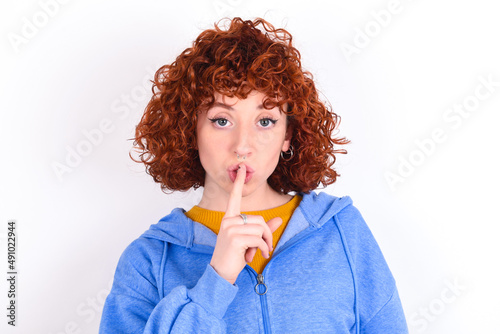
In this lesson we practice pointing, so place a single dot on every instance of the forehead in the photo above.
(254, 100)
(230, 100)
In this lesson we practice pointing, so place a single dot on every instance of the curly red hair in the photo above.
(234, 62)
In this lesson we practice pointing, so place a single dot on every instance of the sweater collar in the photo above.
(212, 219)
(314, 210)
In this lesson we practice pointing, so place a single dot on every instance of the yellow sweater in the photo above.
(212, 220)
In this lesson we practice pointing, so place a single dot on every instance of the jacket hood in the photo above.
(313, 211)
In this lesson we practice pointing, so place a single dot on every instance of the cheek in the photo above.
(210, 148)
(268, 140)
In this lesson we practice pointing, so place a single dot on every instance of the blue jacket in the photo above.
(326, 275)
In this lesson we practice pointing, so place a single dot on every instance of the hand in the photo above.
(238, 242)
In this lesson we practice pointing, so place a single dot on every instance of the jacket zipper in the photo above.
(263, 299)
(263, 302)
(260, 281)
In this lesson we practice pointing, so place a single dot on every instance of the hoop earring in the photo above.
(289, 151)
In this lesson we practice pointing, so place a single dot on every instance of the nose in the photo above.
(242, 145)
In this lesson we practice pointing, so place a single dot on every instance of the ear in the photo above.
(288, 138)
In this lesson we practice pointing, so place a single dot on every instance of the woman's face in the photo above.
(240, 127)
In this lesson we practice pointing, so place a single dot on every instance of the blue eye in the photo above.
(273, 121)
(213, 120)
(221, 122)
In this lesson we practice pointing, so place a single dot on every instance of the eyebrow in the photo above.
(228, 107)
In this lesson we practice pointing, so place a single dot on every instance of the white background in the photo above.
(87, 62)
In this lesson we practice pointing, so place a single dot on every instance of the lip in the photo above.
(235, 167)
(233, 170)
(232, 176)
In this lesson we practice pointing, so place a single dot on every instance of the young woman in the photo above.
(237, 115)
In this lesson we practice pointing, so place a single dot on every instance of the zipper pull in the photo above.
(260, 280)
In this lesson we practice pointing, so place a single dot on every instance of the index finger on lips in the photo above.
(234, 203)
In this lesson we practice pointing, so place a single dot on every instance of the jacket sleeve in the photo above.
(135, 305)
(389, 319)
(377, 298)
